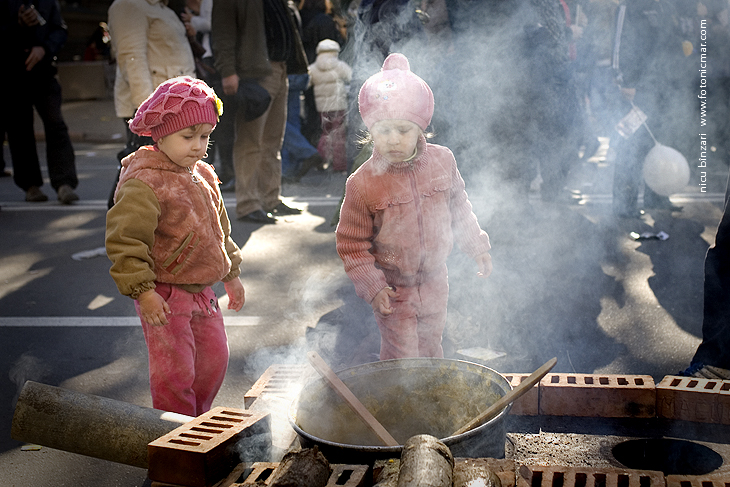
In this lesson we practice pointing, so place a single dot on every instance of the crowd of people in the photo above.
(524, 88)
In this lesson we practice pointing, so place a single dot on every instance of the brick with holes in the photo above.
(527, 405)
(557, 476)
(698, 481)
(694, 399)
(204, 451)
(279, 380)
(598, 395)
(346, 475)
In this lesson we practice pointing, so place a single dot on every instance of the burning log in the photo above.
(469, 473)
(425, 462)
(302, 468)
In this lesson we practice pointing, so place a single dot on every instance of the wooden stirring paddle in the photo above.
(346, 394)
(511, 396)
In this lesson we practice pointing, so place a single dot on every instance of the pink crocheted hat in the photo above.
(396, 93)
(174, 105)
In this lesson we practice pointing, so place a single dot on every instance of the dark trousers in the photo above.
(42, 91)
(715, 346)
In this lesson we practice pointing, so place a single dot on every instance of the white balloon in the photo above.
(666, 171)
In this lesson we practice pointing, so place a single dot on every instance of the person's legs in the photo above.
(211, 350)
(434, 297)
(171, 350)
(715, 347)
(273, 137)
(21, 134)
(59, 150)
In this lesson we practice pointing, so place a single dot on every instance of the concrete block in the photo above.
(557, 476)
(598, 395)
(203, 452)
(694, 399)
(528, 404)
(698, 480)
(278, 380)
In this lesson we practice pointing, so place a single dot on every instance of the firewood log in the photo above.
(425, 462)
(302, 468)
(471, 474)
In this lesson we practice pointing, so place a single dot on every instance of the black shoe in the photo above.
(307, 164)
(282, 209)
(258, 216)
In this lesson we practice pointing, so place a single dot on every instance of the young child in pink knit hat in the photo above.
(403, 210)
(169, 239)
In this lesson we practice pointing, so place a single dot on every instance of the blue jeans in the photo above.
(296, 147)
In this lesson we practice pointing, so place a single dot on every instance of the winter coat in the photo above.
(168, 226)
(238, 39)
(150, 45)
(329, 75)
(398, 223)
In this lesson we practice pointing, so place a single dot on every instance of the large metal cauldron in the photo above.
(409, 397)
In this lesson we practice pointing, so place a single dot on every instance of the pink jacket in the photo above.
(398, 223)
(167, 227)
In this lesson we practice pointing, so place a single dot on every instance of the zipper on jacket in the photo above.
(417, 201)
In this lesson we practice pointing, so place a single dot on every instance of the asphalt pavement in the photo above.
(570, 281)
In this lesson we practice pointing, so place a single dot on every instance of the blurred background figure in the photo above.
(330, 79)
(150, 44)
(31, 38)
(197, 20)
(319, 22)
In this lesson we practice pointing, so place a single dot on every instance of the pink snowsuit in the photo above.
(397, 227)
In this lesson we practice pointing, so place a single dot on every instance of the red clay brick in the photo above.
(278, 380)
(200, 453)
(349, 476)
(528, 404)
(555, 476)
(694, 399)
(598, 395)
(260, 471)
(698, 481)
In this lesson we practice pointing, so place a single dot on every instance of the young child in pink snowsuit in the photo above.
(402, 211)
(168, 237)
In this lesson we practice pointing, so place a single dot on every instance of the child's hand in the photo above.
(381, 303)
(236, 294)
(484, 262)
(153, 308)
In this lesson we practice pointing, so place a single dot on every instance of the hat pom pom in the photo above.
(396, 61)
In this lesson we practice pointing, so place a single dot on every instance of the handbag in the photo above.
(252, 98)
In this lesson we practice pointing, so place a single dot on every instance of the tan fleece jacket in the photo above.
(168, 226)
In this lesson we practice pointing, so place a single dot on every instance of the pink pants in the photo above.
(415, 327)
(188, 357)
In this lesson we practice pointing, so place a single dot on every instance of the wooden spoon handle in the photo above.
(511, 396)
(346, 394)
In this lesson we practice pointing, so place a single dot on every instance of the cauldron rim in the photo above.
(448, 441)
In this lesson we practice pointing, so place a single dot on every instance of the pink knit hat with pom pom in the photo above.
(396, 93)
(174, 105)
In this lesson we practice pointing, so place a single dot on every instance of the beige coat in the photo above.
(150, 46)
(329, 75)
